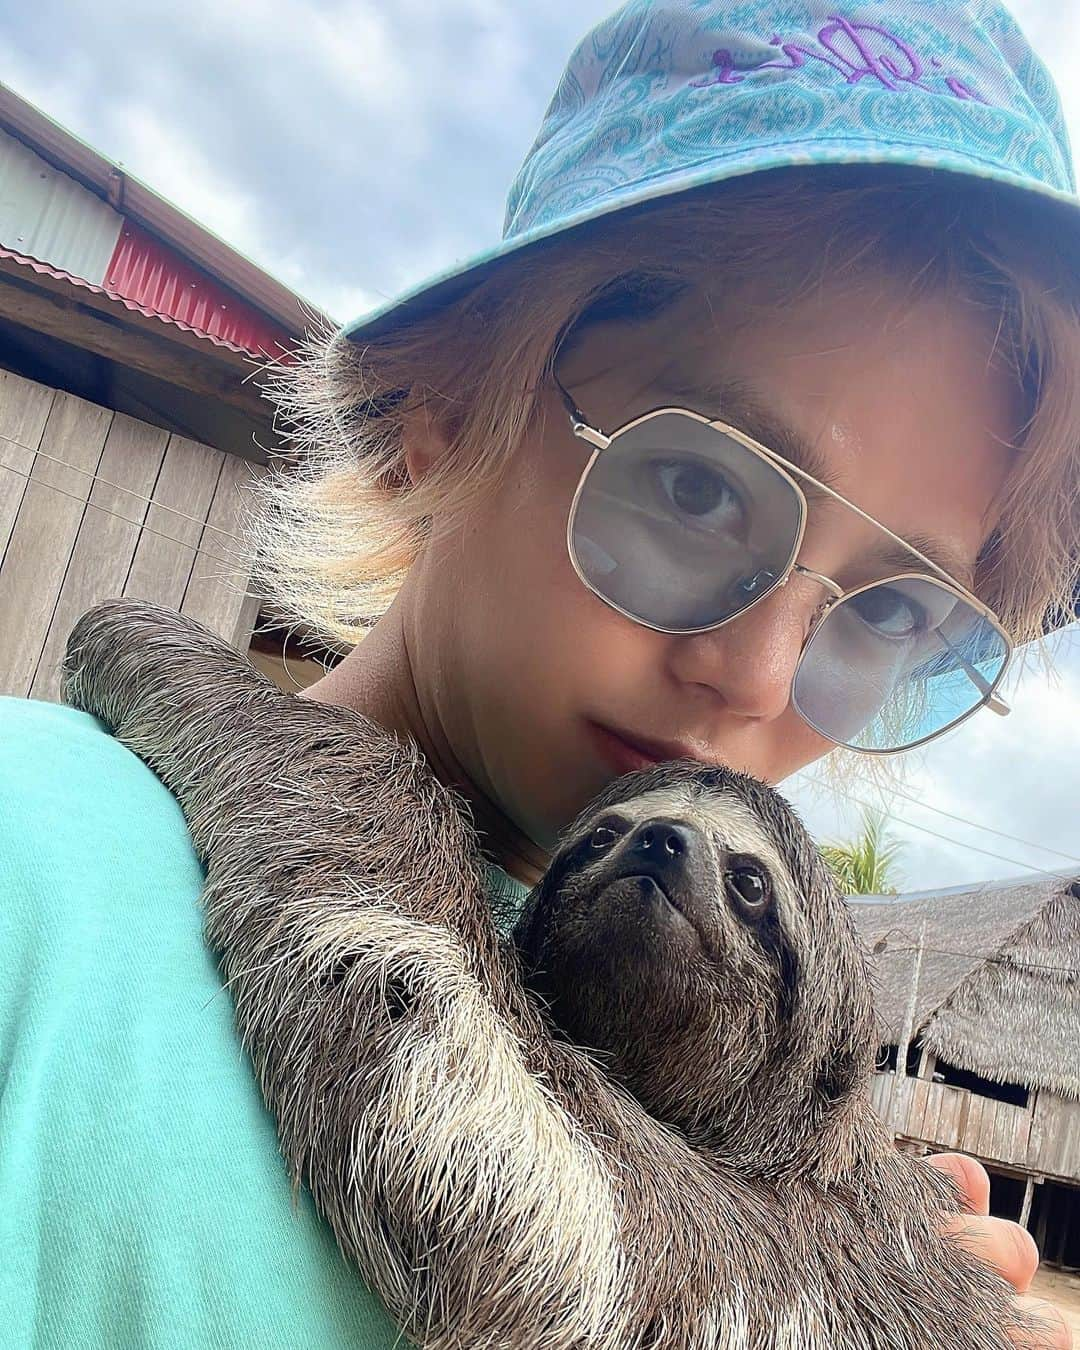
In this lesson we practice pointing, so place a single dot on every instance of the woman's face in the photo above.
(539, 689)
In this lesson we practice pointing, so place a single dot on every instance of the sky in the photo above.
(353, 149)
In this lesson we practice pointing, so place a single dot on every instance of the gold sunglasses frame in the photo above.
(601, 442)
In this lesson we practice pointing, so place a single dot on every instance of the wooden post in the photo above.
(896, 1104)
(1025, 1208)
(1044, 1214)
(1062, 1234)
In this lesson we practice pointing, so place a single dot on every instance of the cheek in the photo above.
(537, 651)
(549, 615)
(528, 579)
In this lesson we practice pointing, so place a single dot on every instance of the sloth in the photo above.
(640, 1123)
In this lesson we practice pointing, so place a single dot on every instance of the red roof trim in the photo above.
(161, 281)
(134, 199)
(146, 310)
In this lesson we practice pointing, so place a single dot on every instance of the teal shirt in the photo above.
(143, 1199)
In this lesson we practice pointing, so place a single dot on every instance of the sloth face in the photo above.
(680, 932)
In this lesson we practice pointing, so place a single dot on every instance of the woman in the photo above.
(849, 238)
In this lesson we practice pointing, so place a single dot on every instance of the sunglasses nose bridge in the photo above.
(824, 605)
(835, 591)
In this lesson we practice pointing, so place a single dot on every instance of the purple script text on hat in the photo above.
(856, 50)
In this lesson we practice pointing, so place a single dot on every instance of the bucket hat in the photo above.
(666, 96)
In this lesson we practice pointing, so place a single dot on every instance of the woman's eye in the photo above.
(750, 884)
(700, 491)
(889, 612)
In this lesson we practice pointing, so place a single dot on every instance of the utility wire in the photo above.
(963, 820)
(988, 960)
(925, 829)
(139, 525)
(97, 478)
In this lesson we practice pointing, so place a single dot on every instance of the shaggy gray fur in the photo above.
(493, 1181)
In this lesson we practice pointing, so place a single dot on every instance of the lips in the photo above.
(627, 752)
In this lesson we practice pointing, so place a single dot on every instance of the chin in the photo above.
(634, 917)
(558, 801)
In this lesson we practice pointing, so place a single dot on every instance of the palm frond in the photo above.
(867, 865)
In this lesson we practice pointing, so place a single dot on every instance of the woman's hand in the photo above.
(1003, 1244)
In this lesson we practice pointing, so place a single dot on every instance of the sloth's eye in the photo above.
(749, 884)
(602, 837)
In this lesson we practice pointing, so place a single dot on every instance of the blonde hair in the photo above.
(339, 526)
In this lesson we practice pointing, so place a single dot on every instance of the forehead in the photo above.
(904, 405)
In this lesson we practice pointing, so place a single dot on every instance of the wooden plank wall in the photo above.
(1044, 1140)
(98, 525)
(1055, 1137)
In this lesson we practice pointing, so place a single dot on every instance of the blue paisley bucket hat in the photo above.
(670, 95)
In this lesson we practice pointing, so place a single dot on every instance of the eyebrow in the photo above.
(742, 407)
(948, 558)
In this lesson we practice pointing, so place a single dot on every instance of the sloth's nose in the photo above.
(670, 851)
(665, 849)
(660, 841)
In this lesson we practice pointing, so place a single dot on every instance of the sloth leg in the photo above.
(385, 1020)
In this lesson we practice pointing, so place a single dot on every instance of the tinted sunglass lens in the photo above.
(681, 526)
(896, 664)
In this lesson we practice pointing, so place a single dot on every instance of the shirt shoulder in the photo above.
(143, 1197)
(75, 801)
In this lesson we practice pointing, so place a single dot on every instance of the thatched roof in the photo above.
(999, 989)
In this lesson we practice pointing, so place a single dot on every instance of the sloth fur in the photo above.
(643, 1127)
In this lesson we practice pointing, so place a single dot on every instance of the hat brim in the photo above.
(450, 284)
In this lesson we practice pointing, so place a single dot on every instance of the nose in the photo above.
(675, 855)
(750, 662)
(660, 841)
(666, 849)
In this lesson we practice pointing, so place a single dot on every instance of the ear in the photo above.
(427, 432)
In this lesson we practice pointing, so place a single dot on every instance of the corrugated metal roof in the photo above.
(160, 281)
(46, 214)
(49, 220)
(113, 185)
(45, 269)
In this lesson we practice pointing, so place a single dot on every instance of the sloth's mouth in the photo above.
(660, 901)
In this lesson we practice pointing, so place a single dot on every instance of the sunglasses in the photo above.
(682, 523)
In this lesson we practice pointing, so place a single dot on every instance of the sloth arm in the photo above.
(415, 1088)
(409, 1075)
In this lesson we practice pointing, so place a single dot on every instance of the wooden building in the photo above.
(132, 341)
(979, 1000)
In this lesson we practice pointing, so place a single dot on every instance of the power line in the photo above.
(975, 825)
(140, 526)
(97, 478)
(925, 829)
(990, 960)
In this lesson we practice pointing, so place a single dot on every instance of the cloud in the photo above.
(350, 148)
(186, 171)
